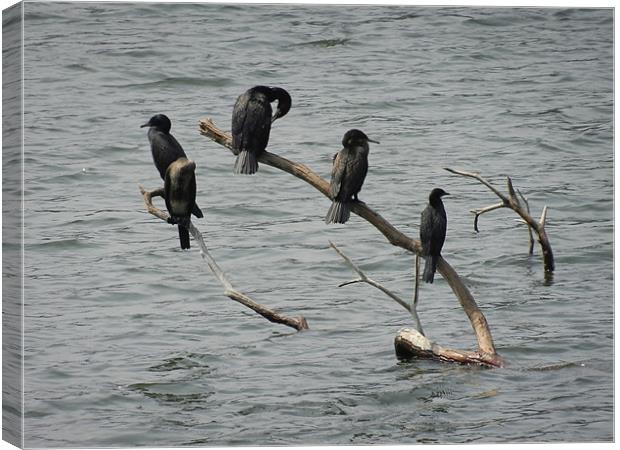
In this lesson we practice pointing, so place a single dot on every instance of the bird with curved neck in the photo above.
(165, 148)
(433, 226)
(349, 169)
(251, 124)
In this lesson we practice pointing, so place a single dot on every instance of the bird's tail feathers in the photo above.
(184, 237)
(339, 212)
(196, 211)
(429, 269)
(246, 163)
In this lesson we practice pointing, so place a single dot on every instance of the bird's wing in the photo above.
(238, 120)
(426, 229)
(192, 193)
(167, 188)
(257, 124)
(439, 231)
(339, 169)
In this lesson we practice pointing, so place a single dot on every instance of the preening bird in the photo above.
(251, 124)
(164, 147)
(433, 225)
(349, 169)
(180, 195)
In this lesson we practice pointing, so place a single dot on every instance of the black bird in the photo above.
(433, 224)
(251, 124)
(349, 169)
(180, 195)
(165, 148)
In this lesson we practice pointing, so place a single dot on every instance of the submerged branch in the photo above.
(392, 234)
(299, 323)
(512, 202)
(529, 228)
(410, 343)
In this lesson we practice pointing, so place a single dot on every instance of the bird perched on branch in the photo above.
(180, 195)
(349, 169)
(433, 224)
(251, 124)
(165, 148)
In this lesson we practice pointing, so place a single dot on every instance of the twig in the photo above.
(481, 211)
(393, 235)
(543, 216)
(513, 203)
(482, 180)
(299, 323)
(365, 279)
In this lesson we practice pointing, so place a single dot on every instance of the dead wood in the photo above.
(299, 323)
(365, 279)
(393, 235)
(512, 201)
(414, 343)
(410, 343)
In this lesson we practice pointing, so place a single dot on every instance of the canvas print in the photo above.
(245, 225)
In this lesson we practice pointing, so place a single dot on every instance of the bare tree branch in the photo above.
(543, 217)
(414, 342)
(393, 235)
(513, 203)
(482, 180)
(529, 228)
(481, 211)
(514, 200)
(365, 279)
(299, 323)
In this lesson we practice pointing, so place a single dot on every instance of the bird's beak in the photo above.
(145, 125)
(373, 141)
(445, 193)
(275, 116)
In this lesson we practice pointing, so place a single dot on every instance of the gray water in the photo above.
(130, 341)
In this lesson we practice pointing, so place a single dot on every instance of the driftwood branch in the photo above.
(414, 342)
(411, 343)
(393, 235)
(299, 323)
(512, 201)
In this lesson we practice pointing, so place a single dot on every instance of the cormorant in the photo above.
(165, 148)
(433, 224)
(251, 124)
(180, 195)
(349, 169)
